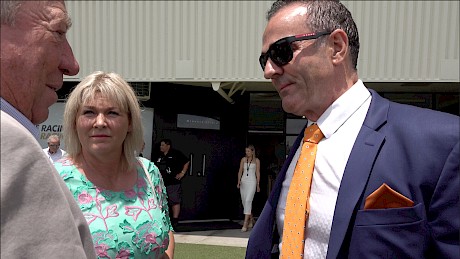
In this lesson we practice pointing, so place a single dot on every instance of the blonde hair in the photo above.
(253, 149)
(115, 88)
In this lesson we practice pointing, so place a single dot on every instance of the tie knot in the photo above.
(313, 134)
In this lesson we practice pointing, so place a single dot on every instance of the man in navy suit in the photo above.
(386, 175)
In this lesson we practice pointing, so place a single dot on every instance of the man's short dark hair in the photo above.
(326, 16)
(167, 141)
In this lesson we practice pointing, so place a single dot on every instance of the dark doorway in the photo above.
(209, 189)
(270, 149)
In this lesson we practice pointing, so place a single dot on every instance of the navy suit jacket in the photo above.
(413, 150)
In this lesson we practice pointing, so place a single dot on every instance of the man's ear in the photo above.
(340, 46)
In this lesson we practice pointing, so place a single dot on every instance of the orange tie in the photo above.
(297, 204)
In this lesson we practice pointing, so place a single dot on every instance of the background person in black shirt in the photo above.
(173, 165)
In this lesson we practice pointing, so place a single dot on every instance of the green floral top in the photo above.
(128, 224)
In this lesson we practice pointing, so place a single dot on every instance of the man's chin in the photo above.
(288, 105)
(40, 117)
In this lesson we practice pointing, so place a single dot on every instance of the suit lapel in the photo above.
(357, 172)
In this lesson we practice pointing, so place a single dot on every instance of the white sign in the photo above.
(53, 125)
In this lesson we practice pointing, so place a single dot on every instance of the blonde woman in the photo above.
(248, 183)
(121, 195)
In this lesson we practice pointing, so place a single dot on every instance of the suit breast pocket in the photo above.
(389, 233)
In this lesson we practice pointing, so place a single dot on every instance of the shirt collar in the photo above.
(17, 115)
(343, 108)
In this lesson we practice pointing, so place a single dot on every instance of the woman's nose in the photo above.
(100, 121)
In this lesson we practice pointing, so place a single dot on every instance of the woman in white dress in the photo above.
(248, 183)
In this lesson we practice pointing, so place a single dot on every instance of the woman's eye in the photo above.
(87, 112)
(113, 113)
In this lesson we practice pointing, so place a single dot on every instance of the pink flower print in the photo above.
(141, 183)
(145, 237)
(148, 242)
(112, 211)
(165, 243)
(150, 238)
(130, 194)
(65, 176)
(85, 198)
(133, 211)
(66, 162)
(90, 217)
(123, 254)
(101, 250)
(152, 203)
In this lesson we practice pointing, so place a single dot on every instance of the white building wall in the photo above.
(408, 40)
(190, 41)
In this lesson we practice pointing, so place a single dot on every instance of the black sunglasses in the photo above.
(281, 51)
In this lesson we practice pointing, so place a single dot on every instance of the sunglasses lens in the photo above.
(281, 53)
(263, 60)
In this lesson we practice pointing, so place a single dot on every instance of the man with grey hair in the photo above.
(369, 178)
(39, 217)
(53, 151)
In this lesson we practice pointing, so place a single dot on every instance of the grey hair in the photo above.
(8, 11)
(326, 16)
(115, 88)
(54, 136)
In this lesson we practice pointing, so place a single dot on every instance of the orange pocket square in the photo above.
(385, 198)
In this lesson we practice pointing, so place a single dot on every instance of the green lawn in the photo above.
(195, 251)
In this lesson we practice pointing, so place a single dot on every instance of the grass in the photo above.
(196, 251)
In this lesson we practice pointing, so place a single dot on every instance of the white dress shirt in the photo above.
(17, 115)
(340, 124)
(56, 155)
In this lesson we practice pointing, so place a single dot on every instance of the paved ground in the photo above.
(222, 237)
